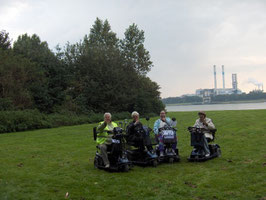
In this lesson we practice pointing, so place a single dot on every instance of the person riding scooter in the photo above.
(137, 135)
(161, 123)
(103, 139)
(207, 125)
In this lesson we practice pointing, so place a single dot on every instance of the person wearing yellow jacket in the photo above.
(103, 139)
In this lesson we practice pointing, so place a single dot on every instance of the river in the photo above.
(205, 107)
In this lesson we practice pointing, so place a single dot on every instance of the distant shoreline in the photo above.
(224, 102)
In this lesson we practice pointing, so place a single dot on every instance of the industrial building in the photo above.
(206, 94)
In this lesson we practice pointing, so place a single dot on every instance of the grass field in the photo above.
(48, 163)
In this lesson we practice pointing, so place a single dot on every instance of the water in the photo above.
(238, 106)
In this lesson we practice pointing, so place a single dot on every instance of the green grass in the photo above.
(48, 163)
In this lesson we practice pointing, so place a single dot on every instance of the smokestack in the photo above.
(223, 77)
(234, 81)
(215, 83)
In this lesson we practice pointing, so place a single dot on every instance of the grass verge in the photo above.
(48, 163)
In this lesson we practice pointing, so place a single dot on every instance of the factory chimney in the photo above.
(223, 77)
(234, 82)
(215, 82)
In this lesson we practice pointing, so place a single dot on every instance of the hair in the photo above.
(134, 113)
(202, 113)
(163, 111)
(107, 113)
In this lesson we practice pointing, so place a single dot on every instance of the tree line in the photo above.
(97, 74)
(253, 95)
(183, 99)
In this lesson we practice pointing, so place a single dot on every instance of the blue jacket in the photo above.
(157, 125)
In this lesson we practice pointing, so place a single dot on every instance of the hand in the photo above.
(136, 122)
(204, 123)
(107, 121)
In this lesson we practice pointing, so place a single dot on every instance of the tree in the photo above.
(5, 42)
(17, 75)
(101, 35)
(98, 74)
(134, 51)
(51, 91)
(99, 77)
(148, 96)
(108, 77)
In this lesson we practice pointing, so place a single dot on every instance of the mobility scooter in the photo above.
(138, 155)
(169, 139)
(116, 152)
(197, 141)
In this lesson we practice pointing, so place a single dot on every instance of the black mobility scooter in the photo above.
(168, 133)
(117, 155)
(197, 141)
(137, 153)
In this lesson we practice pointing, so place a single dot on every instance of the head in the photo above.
(107, 117)
(162, 114)
(135, 115)
(202, 115)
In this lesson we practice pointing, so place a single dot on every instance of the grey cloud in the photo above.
(185, 38)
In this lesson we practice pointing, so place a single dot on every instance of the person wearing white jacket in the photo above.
(207, 124)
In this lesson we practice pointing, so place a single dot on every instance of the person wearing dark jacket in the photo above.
(137, 135)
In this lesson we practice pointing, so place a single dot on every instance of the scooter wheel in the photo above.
(96, 163)
(219, 152)
(125, 168)
(171, 160)
(154, 163)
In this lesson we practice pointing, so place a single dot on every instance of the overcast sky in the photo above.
(185, 38)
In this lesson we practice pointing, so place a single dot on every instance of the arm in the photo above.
(210, 124)
(101, 126)
(130, 128)
(156, 126)
(196, 123)
(169, 121)
(130, 132)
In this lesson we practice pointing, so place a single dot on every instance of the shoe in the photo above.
(151, 153)
(207, 155)
(107, 166)
(173, 151)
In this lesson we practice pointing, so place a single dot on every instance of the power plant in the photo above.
(206, 94)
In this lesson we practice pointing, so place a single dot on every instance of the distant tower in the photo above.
(215, 82)
(234, 82)
(223, 77)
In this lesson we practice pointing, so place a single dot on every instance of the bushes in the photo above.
(12, 121)
(6, 104)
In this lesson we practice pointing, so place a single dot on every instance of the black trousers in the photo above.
(141, 142)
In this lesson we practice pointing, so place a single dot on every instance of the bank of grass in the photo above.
(48, 163)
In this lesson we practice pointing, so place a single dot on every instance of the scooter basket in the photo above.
(169, 136)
